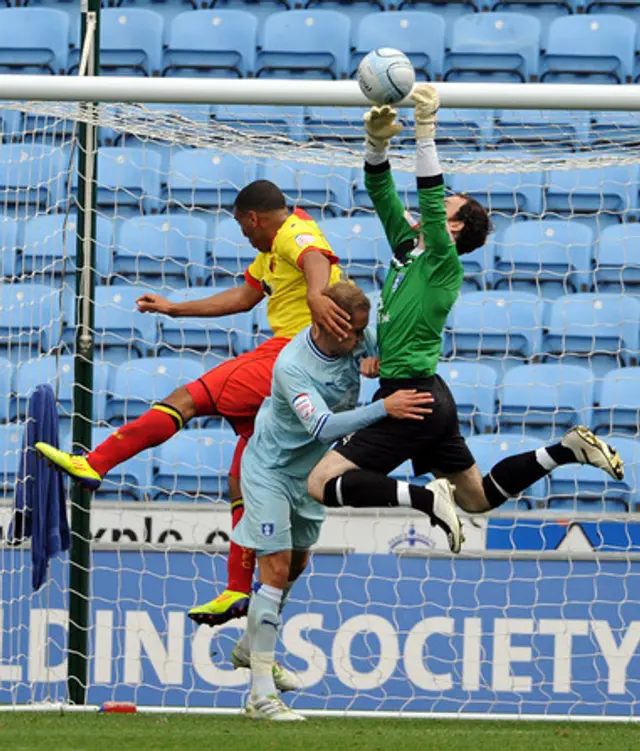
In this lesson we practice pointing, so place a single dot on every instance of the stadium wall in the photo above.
(376, 632)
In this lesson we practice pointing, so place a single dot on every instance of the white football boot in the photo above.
(284, 679)
(589, 449)
(444, 512)
(271, 708)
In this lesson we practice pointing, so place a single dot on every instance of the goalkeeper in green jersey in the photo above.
(420, 289)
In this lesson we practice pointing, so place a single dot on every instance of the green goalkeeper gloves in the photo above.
(427, 102)
(381, 126)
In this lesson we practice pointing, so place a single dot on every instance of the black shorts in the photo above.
(434, 443)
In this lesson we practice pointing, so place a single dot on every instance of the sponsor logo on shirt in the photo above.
(397, 282)
(303, 406)
(303, 240)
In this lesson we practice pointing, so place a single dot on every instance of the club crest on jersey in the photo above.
(303, 406)
(303, 240)
(397, 282)
(268, 528)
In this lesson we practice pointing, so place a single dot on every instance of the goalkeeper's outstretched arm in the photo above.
(433, 215)
(381, 126)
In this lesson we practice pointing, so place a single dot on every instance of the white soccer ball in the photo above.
(386, 76)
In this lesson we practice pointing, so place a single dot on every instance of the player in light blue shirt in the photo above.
(316, 381)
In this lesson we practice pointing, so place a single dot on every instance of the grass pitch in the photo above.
(94, 732)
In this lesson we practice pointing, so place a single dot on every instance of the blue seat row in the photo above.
(320, 43)
(550, 257)
(193, 466)
(133, 181)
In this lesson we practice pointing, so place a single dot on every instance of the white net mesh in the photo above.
(545, 336)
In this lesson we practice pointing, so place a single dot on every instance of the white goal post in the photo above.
(540, 616)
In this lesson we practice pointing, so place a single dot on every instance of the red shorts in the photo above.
(236, 388)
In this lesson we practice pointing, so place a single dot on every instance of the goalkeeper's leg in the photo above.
(514, 474)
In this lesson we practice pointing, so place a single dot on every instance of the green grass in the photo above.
(93, 732)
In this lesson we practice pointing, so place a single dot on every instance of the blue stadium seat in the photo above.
(406, 188)
(215, 43)
(545, 400)
(129, 181)
(474, 388)
(478, 267)
(542, 129)
(165, 250)
(121, 333)
(320, 189)
(629, 9)
(503, 193)
(58, 372)
(131, 41)
(10, 453)
(11, 122)
(30, 320)
(464, 127)
(263, 120)
(6, 388)
(545, 11)
(497, 325)
(589, 49)
(601, 330)
(9, 244)
(305, 43)
(577, 488)
(49, 246)
(206, 179)
(230, 254)
(362, 248)
(139, 383)
(34, 40)
(488, 450)
(618, 259)
(493, 47)
(607, 128)
(130, 481)
(551, 257)
(223, 336)
(447, 10)
(333, 124)
(618, 409)
(418, 34)
(194, 465)
(33, 175)
(607, 193)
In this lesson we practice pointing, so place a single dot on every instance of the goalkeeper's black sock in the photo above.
(361, 488)
(516, 473)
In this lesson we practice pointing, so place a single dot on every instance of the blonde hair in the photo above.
(348, 296)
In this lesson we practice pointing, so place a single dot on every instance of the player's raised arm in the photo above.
(450, 226)
(380, 126)
(235, 300)
(324, 311)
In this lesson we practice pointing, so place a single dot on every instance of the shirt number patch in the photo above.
(303, 240)
(303, 406)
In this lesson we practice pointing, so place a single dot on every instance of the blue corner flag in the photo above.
(39, 508)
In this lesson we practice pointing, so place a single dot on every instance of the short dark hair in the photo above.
(476, 225)
(260, 195)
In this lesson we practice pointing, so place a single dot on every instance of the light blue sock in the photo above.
(263, 623)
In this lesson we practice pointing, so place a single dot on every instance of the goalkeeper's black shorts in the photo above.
(434, 443)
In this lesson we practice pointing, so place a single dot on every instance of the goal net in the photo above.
(540, 615)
